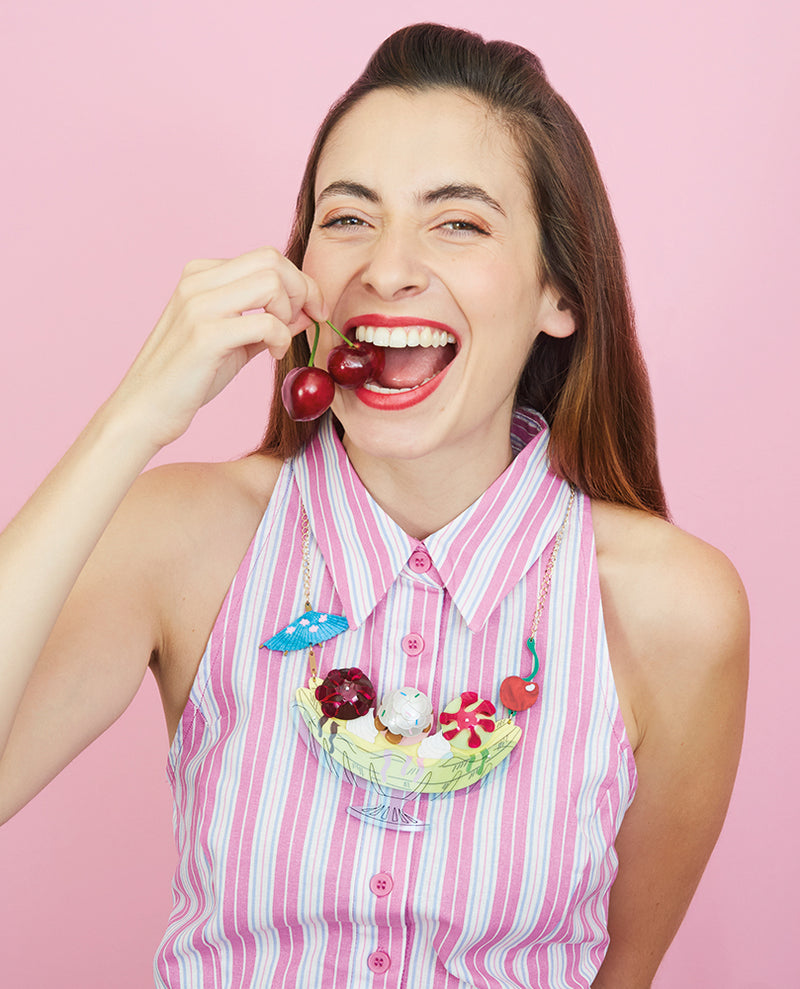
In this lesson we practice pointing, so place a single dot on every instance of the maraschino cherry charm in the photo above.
(519, 693)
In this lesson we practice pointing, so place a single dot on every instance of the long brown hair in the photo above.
(592, 387)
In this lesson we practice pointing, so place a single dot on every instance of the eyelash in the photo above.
(465, 227)
(343, 221)
(457, 227)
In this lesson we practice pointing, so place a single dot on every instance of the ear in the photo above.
(557, 319)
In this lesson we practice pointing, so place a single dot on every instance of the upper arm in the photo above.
(97, 654)
(679, 642)
(148, 596)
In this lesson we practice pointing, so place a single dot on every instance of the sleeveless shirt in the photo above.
(504, 884)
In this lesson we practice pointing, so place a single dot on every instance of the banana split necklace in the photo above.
(391, 743)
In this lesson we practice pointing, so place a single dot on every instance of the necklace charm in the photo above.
(518, 694)
(471, 718)
(423, 761)
(346, 694)
(405, 713)
(309, 629)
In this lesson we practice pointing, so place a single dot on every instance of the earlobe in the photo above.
(558, 319)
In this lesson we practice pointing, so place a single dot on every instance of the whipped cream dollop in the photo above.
(363, 727)
(434, 746)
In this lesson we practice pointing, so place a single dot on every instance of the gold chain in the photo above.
(304, 530)
(548, 573)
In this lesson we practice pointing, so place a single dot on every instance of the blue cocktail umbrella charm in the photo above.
(311, 628)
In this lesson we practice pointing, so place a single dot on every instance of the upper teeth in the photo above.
(403, 336)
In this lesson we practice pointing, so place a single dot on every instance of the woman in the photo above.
(451, 212)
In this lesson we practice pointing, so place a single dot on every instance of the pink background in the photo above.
(139, 137)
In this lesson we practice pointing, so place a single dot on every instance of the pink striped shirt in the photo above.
(507, 884)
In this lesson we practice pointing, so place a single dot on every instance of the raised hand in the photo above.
(222, 314)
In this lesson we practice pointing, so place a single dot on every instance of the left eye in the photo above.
(463, 226)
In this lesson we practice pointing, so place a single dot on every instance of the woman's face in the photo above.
(425, 233)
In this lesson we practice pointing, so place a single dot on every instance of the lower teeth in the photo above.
(371, 386)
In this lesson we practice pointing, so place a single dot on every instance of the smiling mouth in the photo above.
(414, 355)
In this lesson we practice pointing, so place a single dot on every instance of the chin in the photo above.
(440, 424)
(388, 443)
(387, 436)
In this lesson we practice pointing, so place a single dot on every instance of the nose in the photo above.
(394, 268)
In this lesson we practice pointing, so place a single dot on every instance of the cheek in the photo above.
(318, 257)
(311, 260)
(507, 296)
(326, 268)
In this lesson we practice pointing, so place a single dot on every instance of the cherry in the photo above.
(307, 392)
(352, 365)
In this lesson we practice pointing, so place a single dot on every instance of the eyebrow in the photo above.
(348, 189)
(460, 190)
(453, 190)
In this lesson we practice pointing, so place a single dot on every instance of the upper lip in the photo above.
(375, 319)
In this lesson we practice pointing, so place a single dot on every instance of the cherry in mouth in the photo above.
(352, 365)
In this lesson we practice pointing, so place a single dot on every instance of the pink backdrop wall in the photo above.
(139, 137)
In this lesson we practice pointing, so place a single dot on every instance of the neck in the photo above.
(423, 494)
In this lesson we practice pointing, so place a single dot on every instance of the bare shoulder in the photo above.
(197, 488)
(674, 605)
(190, 515)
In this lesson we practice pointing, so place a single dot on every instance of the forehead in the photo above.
(419, 139)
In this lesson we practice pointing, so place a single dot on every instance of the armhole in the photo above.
(200, 708)
(608, 685)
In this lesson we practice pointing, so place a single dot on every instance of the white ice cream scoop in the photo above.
(404, 713)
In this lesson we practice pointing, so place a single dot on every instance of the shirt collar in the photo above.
(480, 555)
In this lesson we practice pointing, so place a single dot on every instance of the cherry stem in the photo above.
(532, 646)
(339, 332)
(314, 348)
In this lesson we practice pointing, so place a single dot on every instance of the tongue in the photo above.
(407, 367)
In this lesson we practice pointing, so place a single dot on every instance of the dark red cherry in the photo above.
(352, 366)
(307, 392)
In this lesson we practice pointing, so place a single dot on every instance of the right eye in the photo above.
(343, 221)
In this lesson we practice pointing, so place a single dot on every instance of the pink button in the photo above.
(379, 962)
(419, 561)
(413, 644)
(381, 884)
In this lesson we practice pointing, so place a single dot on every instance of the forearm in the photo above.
(45, 547)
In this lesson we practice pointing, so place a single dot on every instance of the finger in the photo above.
(199, 265)
(208, 275)
(257, 331)
(314, 305)
(282, 293)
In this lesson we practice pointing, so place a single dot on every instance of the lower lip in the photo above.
(400, 400)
